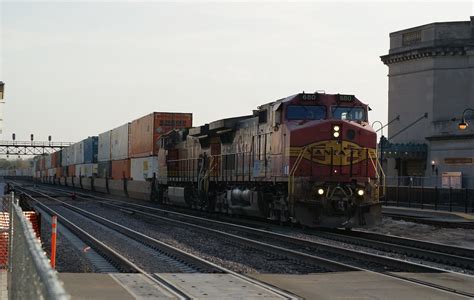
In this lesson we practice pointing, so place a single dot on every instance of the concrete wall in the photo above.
(410, 96)
(100, 185)
(116, 188)
(136, 189)
(77, 182)
(86, 183)
(139, 189)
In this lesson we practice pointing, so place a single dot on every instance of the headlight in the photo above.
(335, 134)
(320, 191)
(336, 128)
(360, 192)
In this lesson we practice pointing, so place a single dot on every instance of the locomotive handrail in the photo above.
(376, 166)
(293, 170)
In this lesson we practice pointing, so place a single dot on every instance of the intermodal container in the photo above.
(104, 169)
(47, 161)
(90, 146)
(56, 159)
(42, 163)
(120, 169)
(51, 172)
(59, 172)
(65, 157)
(77, 153)
(145, 131)
(143, 168)
(104, 146)
(86, 170)
(71, 170)
(119, 142)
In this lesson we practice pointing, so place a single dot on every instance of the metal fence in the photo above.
(431, 181)
(449, 199)
(30, 276)
(432, 192)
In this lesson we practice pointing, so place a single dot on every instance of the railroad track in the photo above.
(127, 266)
(438, 223)
(434, 252)
(391, 266)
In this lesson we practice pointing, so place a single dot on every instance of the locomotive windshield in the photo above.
(305, 112)
(348, 113)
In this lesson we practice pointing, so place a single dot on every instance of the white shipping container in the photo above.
(64, 159)
(86, 170)
(78, 153)
(47, 161)
(51, 172)
(104, 146)
(143, 168)
(119, 142)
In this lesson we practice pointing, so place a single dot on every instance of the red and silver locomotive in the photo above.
(307, 158)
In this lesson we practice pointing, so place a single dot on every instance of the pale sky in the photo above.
(75, 69)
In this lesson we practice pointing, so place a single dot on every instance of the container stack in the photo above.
(119, 149)
(144, 135)
(126, 152)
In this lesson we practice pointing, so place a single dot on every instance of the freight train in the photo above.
(307, 159)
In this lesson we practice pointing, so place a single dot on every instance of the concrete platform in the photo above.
(337, 285)
(434, 215)
(354, 285)
(3, 284)
(119, 286)
(116, 286)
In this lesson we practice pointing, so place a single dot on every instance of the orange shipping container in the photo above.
(59, 172)
(121, 169)
(145, 132)
(54, 159)
(71, 170)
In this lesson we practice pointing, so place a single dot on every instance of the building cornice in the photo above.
(425, 52)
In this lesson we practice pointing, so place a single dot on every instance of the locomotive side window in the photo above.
(306, 112)
(348, 113)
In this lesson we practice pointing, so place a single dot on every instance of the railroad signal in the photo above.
(31, 137)
(13, 136)
(2, 89)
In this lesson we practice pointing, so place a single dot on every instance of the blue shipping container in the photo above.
(91, 145)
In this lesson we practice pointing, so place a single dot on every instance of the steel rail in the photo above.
(409, 242)
(421, 250)
(419, 267)
(170, 250)
(385, 246)
(447, 224)
(122, 263)
(304, 243)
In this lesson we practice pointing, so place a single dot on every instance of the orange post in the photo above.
(53, 241)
